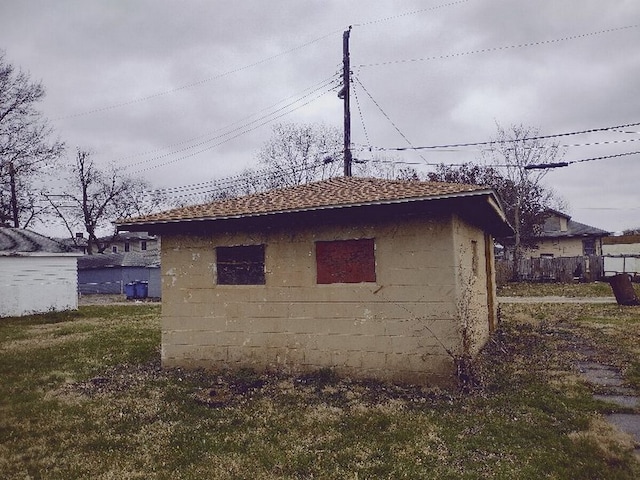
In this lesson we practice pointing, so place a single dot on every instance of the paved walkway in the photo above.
(556, 299)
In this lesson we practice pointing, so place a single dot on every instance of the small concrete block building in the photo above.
(373, 278)
(37, 274)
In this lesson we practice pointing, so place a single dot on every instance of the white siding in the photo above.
(37, 284)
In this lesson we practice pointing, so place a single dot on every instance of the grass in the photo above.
(528, 289)
(82, 395)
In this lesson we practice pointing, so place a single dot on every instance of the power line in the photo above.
(496, 142)
(394, 17)
(241, 131)
(364, 126)
(566, 164)
(387, 117)
(196, 83)
(230, 182)
(496, 49)
(313, 88)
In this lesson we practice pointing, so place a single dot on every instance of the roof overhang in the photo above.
(40, 254)
(493, 212)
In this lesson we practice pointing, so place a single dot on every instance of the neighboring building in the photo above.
(563, 237)
(125, 242)
(37, 274)
(374, 278)
(77, 244)
(108, 273)
(622, 255)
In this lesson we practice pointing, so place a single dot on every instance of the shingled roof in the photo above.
(114, 260)
(22, 242)
(327, 194)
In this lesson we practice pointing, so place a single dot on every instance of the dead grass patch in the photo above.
(99, 405)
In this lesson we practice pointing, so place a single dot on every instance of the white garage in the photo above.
(37, 274)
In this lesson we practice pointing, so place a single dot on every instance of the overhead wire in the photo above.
(364, 126)
(502, 141)
(406, 14)
(198, 82)
(235, 133)
(247, 66)
(228, 183)
(387, 116)
(312, 88)
(495, 49)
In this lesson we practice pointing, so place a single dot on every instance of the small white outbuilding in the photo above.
(37, 274)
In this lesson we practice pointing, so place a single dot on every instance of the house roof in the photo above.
(573, 228)
(576, 229)
(112, 260)
(334, 193)
(23, 242)
(126, 236)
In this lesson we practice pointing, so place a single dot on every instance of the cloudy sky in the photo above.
(184, 92)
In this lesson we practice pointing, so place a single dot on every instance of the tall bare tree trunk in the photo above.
(15, 214)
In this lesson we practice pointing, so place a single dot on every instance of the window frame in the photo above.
(240, 264)
(348, 261)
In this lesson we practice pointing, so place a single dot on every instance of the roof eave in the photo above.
(129, 226)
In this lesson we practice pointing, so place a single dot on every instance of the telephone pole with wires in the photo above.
(344, 95)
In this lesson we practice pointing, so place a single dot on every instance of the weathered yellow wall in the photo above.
(473, 287)
(398, 328)
(565, 247)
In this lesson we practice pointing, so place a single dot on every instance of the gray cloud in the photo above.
(128, 77)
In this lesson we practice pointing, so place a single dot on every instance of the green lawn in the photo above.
(82, 395)
(528, 289)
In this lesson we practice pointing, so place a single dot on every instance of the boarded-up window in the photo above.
(346, 261)
(241, 265)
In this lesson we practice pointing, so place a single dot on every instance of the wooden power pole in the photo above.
(344, 94)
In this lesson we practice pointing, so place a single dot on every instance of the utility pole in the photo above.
(344, 94)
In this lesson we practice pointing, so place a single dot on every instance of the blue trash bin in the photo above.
(130, 290)
(141, 289)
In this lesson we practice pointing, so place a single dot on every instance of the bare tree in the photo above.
(301, 153)
(519, 147)
(526, 199)
(26, 147)
(384, 167)
(96, 197)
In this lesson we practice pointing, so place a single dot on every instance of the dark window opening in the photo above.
(346, 261)
(241, 265)
(589, 246)
(127, 247)
(114, 249)
(143, 245)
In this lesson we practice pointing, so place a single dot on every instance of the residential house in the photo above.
(109, 273)
(561, 236)
(125, 242)
(78, 243)
(37, 274)
(373, 278)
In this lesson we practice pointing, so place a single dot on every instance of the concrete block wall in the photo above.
(399, 328)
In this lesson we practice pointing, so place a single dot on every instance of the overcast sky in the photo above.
(183, 92)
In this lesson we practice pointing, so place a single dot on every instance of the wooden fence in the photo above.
(557, 269)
